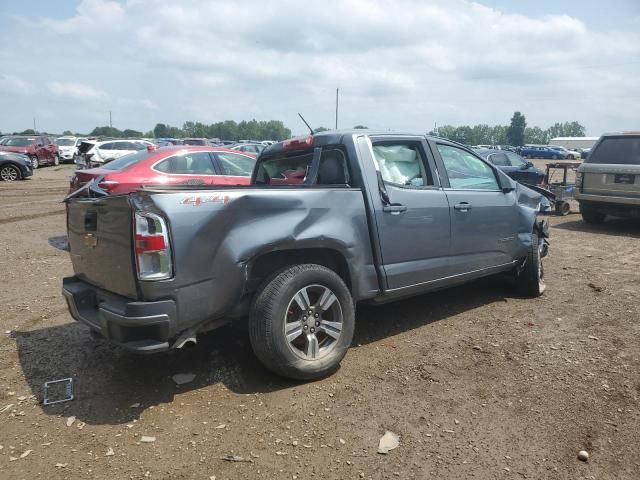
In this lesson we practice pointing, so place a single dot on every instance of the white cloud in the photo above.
(13, 84)
(77, 91)
(400, 64)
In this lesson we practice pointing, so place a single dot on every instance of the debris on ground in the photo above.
(388, 442)
(235, 458)
(182, 378)
(70, 421)
(145, 439)
(583, 455)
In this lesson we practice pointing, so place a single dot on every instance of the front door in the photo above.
(482, 215)
(411, 211)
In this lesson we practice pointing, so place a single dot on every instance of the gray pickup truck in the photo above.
(329, 221)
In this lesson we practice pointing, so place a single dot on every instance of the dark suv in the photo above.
(608, 182)
(41, 149)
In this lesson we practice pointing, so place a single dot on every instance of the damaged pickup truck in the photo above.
(329, 221)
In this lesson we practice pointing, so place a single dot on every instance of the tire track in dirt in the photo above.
(33, 216)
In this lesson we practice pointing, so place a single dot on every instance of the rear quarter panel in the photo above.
(216, 233)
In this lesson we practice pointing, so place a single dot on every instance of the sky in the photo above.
(401, 65)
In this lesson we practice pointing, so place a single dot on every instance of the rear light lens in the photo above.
(152, 247)
(298, 142)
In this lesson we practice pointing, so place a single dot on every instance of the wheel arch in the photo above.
(267, 263)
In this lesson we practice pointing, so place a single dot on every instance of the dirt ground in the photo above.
(477, 382)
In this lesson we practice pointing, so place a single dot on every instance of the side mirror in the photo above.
(527, 165)
(504, 181)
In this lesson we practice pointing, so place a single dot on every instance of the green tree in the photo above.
(360, 127)
(566, 129)
(320, 129)
(106, 131)
(160, 131)
(515, 133)
(536, 135)
(127, 132)
(28, 131)
(67, 132)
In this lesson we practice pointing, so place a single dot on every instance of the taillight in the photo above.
(152, 248)
(298, 142)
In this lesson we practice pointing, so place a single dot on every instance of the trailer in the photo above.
(574, 143)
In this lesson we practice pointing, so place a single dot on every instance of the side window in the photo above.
(235, 165)
(333, 168)
(516, 160)
(196, 163)
(402, 164)
(107, 146)
(466, 171)
(499, 159)
(122, 146)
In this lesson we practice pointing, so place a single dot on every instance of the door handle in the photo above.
(394, 208)
(463, 207)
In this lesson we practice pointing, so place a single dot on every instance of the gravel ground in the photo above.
(477, 382)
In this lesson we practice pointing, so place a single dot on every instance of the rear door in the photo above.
(233, 168)
(482, 215)
(411, 210)
(41, 151)
(613, 167)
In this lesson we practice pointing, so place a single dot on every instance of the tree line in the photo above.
(517, 133)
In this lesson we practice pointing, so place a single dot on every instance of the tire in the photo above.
(296, 342)
(554, 157)
(56, 160)
(35, 163)
(530, 280)
(563, 208)
(570, 157)
(591, 214)
(10, 173)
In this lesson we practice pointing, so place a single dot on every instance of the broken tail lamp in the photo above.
(298, 143)
(152, 247)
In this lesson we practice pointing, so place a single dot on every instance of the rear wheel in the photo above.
(530, 280)
(9, 173)
(563, 208)
(591, 214)
(34, 162)
(302, 322)
(555, 157)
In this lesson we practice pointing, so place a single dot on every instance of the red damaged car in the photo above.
(175, 165)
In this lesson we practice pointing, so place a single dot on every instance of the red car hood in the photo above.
(5, 148)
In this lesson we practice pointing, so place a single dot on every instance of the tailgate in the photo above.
(100, 242)
(615, 180)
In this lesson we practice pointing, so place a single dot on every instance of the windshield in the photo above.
(516, 160)
(623, 150)
(66, 142)
(18, 142)
(127, 160)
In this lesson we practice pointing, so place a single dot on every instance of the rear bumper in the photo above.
(141, 327)
(586, 197)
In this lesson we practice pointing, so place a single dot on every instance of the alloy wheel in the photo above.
(313, 322)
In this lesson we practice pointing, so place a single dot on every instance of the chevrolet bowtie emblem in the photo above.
(90, 240)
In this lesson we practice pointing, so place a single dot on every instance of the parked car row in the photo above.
(40, 149)
(552, 152)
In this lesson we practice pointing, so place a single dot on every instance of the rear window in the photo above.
(623, 150)
(293, 168)
(127, 160)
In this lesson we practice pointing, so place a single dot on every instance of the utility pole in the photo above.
(34, 125)
(110, 123)
(337, 108)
